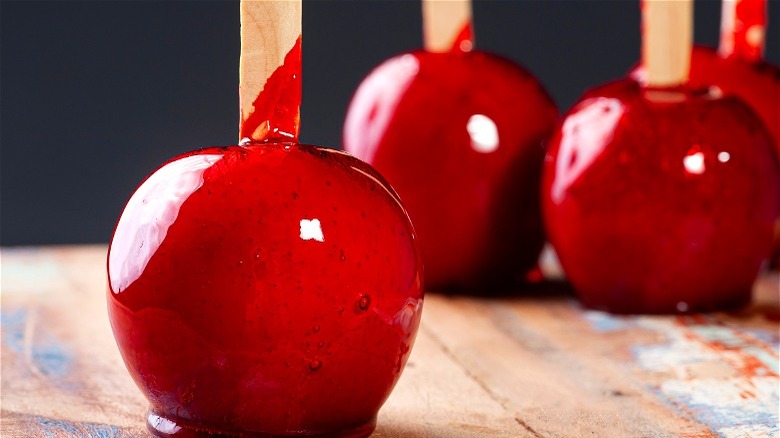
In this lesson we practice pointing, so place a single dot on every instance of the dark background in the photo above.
(95, 95)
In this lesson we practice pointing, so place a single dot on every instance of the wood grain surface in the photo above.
(535, 365)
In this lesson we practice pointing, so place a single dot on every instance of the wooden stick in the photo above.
(447, 25)
(270, 70)
(667, 28)
(743, 29)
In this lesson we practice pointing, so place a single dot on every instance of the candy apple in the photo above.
(459, 133)
(460, 136)
(266, 289)
(737, 68)
(660, 200)
(272, 288)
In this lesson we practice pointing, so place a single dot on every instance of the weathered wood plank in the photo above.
(535, 365)
(551, 390)
(438, 397)
(62, 374)
(60, 365)
(566, 371)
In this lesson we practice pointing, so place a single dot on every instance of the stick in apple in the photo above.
(667, 28)
(447, 25)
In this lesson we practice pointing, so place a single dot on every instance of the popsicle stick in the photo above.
(667, 38)
(270, 70)
(447, 25)
(743, 29)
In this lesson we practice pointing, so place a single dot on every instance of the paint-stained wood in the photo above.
(533, 365)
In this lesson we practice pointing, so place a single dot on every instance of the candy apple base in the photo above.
(164, 428)
(659, 201)
(272, 289)
(460, 137)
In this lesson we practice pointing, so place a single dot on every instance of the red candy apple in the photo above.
(660, 199)
(267, 289)
(459, 135)
(737, 69)
(270, 288)
(660, 206)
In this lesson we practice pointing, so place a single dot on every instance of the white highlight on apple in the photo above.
(374, 104)
(311, 230)
(585, 135)
(694, 163)
(149, 213)
(483, 132)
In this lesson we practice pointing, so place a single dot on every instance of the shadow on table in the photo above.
(539, 290)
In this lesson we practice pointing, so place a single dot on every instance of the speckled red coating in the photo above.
(267, 289)
(660, 207)
(475, 205)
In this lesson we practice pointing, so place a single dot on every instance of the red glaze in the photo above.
(269, 289)
(459, 135)
(743, 37)
(660, 207)
(464, 41)
(277, 108)
(757, 83)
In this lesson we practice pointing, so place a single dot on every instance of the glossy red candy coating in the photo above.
(756, 83)
(660, 207)
(460, 137)
(267, 289)
(743, 34)
(275, 114)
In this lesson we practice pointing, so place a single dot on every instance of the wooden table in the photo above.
(535, 365)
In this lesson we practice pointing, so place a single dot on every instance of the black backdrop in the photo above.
(95, 94)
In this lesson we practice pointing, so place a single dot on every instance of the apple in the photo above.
(460, 136)
(660, 200)
(755, 81)
(268, 289)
